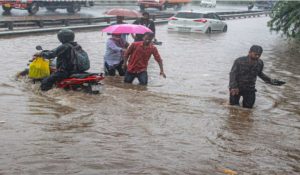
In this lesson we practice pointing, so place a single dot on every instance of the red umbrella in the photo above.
(123, 12)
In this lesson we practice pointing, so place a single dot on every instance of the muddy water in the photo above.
(178, 125)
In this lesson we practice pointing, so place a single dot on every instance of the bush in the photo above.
(285, 17)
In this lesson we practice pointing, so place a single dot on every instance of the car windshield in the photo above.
(189, 15)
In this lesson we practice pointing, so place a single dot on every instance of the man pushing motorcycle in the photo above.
(64, 65)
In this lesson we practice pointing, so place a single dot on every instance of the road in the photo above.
(97, 11)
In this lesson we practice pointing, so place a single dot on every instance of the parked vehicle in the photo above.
(208, 3)
(199, 22)
(32, 6)
(162, 4)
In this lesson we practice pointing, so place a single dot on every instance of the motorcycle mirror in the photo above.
(38, 48)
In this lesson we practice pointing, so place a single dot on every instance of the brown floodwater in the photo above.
(179, 125)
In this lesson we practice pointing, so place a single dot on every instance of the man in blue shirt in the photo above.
(113, 58)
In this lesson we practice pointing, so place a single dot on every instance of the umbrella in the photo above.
(123, 12)
(126, 28)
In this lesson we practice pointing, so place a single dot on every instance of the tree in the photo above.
(285, 17)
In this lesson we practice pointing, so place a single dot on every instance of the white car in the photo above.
(208, 3)
(198, 22)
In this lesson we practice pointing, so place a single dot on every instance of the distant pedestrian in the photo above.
(243, 77)
(113, 58)
(147, 22)
(119, 20)
(137, 56)
(250, 6)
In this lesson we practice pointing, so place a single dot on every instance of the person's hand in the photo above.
(133, 36)
(234, 91)
(163, 74)
(276, 82)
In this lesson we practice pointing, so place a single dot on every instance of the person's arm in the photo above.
(112, 45)
(49, 54)
(55, 52)
(233, 76)
(161, 67)
(127, 54)
(263, 76)
(159, 61)
(152, 27)
(133, 36)
(126, 44)
(267, 79)
(233, 85)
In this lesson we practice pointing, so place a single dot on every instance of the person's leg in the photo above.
(143, 78)
(120, 69)
(129, 77)
(234, 100)
(48, 82)
(248, 99)
(109, 70)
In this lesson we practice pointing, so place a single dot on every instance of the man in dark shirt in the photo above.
(64, 65)
(145, 21)
(243, 77)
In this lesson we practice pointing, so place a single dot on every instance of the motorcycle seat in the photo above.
(82, 75)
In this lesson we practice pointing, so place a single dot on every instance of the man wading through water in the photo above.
(64, 63)
(243, 77)
(138, 55)
(113, 58)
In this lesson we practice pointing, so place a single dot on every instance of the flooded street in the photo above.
(179, 125)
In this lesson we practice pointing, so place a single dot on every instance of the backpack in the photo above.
(79, 59)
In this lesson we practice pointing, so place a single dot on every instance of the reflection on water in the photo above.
(179, 125)
(239, 121)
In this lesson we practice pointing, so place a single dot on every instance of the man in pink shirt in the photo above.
(137, 57)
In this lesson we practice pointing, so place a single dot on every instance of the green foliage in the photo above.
(286, 18)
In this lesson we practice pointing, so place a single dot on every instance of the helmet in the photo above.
(65, 35)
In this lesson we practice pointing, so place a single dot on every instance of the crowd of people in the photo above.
(131, 61)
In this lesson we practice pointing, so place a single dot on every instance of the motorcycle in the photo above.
(86, 81)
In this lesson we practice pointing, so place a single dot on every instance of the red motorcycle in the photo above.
(86, 82)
